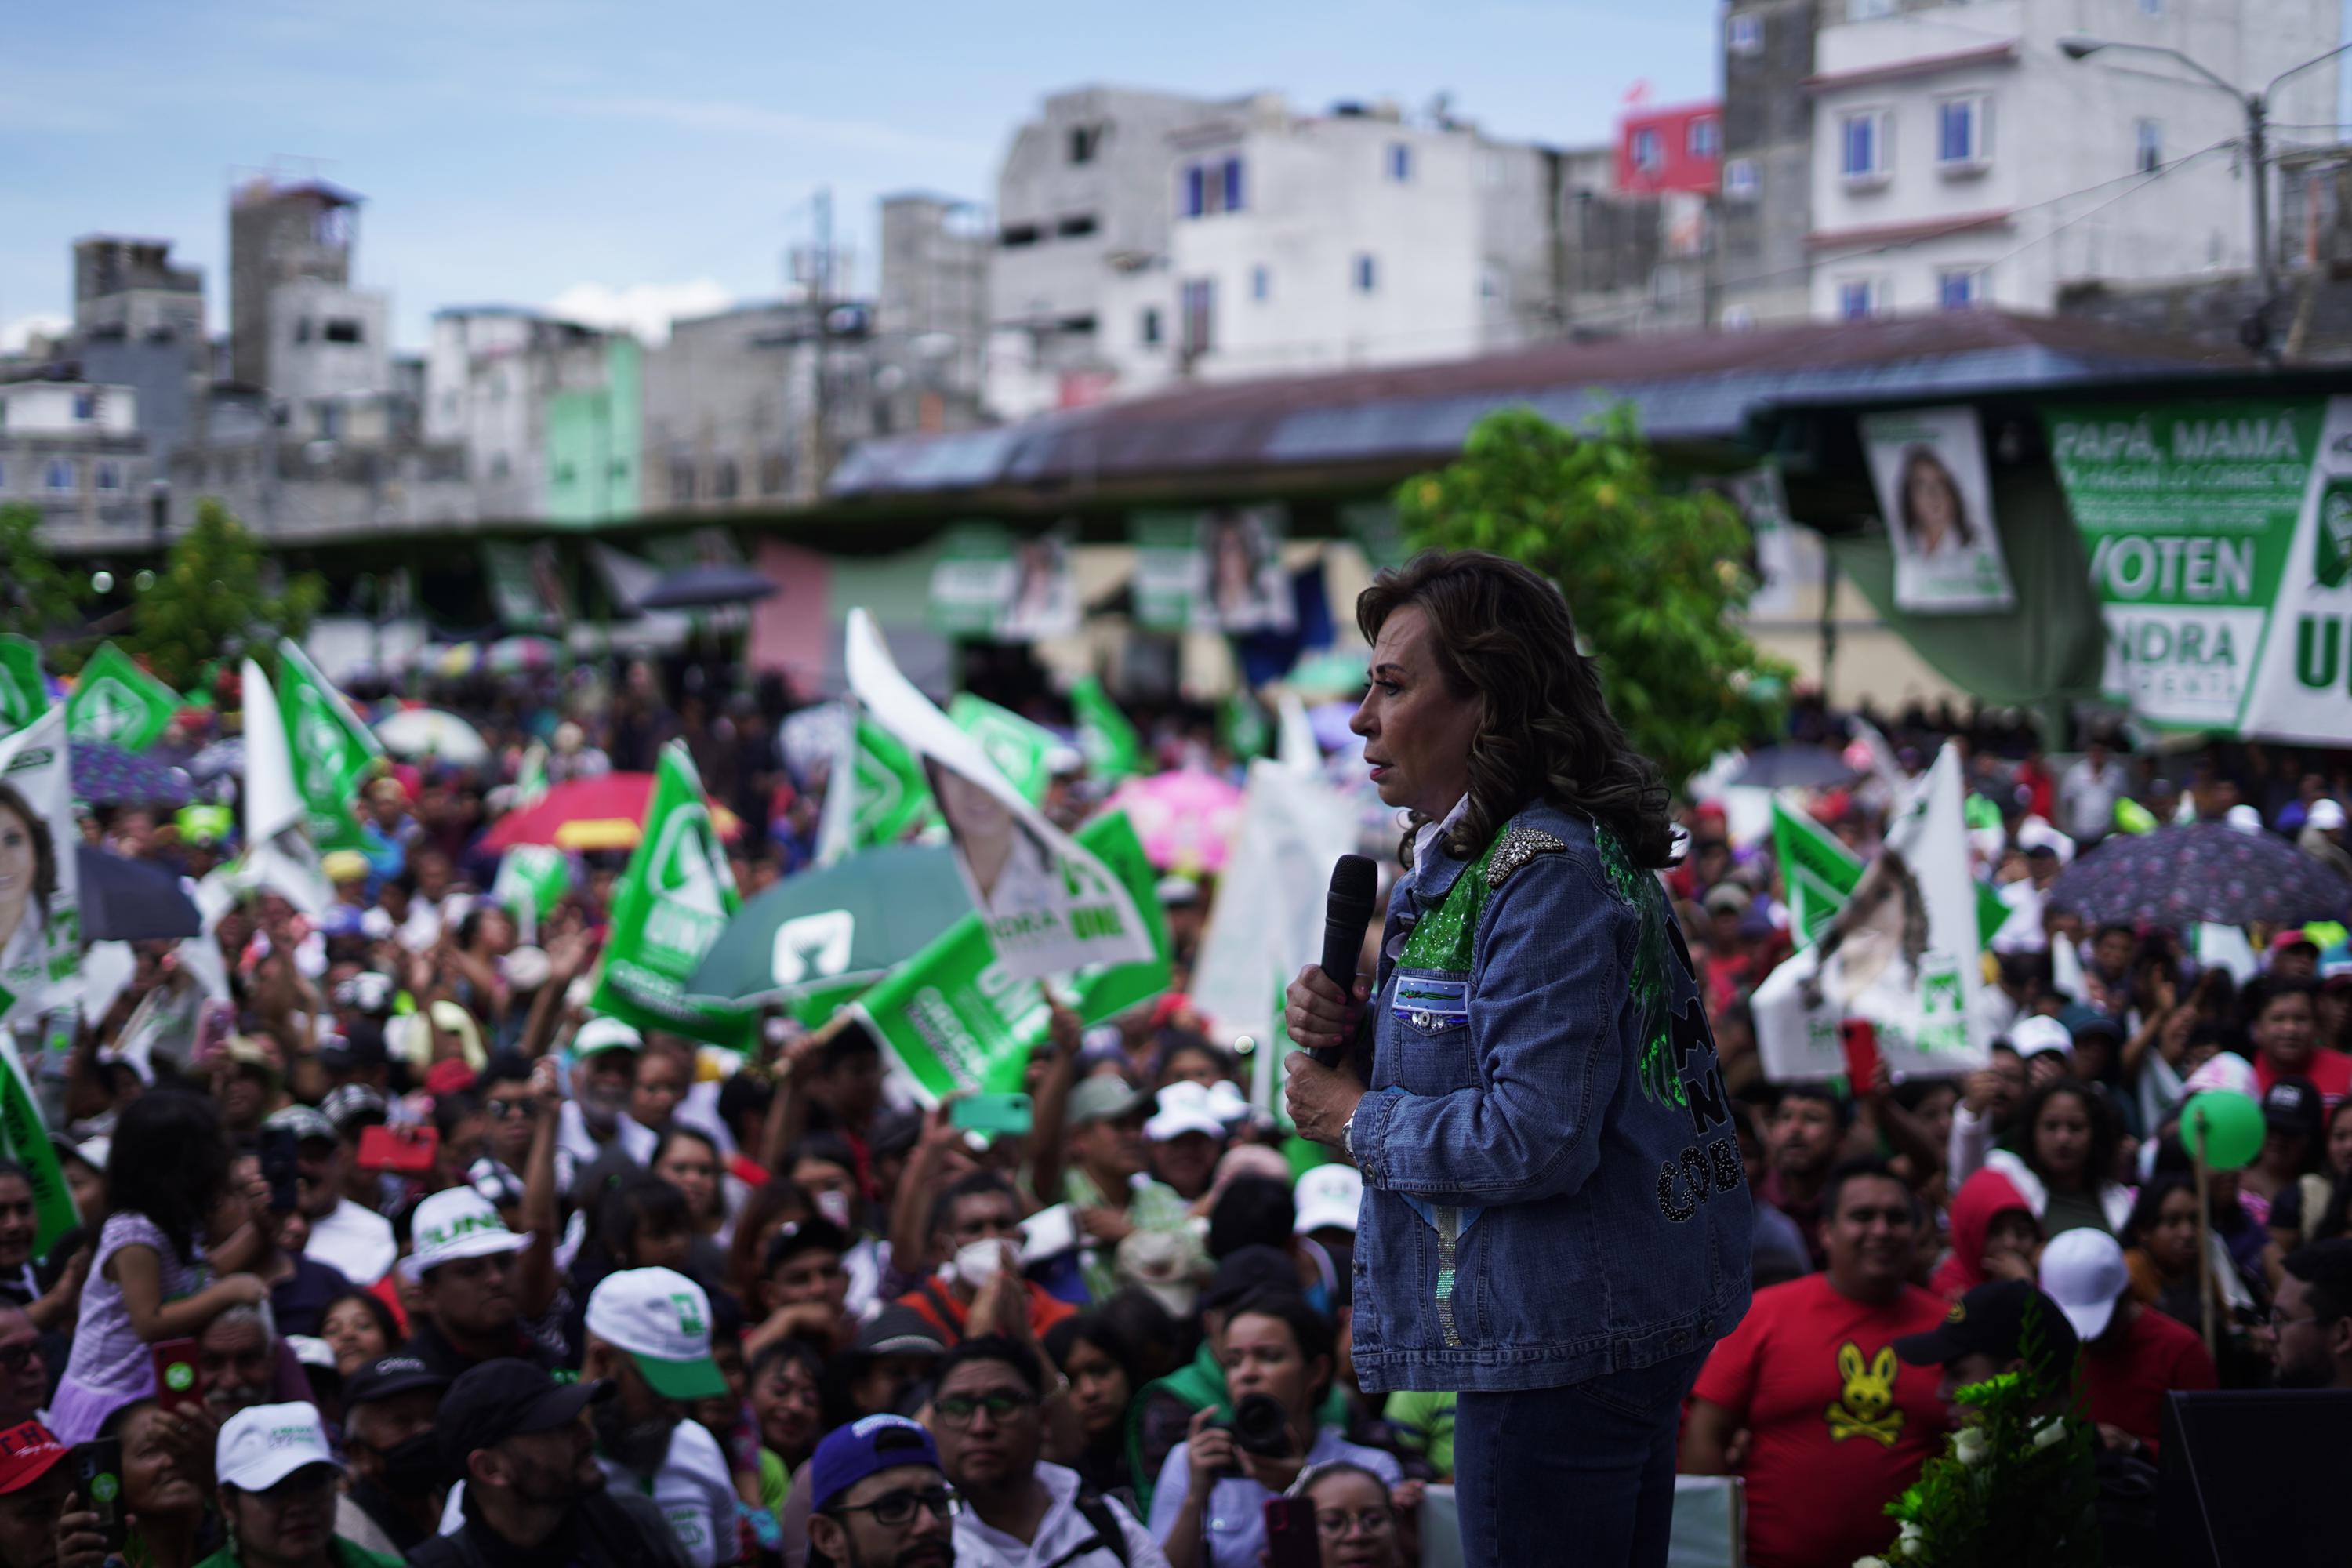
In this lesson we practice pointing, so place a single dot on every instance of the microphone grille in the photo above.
(1355, 878)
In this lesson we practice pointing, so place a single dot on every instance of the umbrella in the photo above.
(603, 813)
(516, 655)
(838, 928)
(220, 757)
(699, 587)
(2204, 872)
(1792, 767)
(130, 901)
(104, 775)
(1186, 819)
(430, 733)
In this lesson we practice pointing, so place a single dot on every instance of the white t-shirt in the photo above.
(356, 1240)
(692, 1488)
(1060, 1533)
(576, 1148)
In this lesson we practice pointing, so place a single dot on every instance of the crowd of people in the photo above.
(403, 1254)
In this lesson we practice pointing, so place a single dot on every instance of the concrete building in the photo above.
(73, 449)
(1671, 149)
(130, 288)
(546, 412)
(297, 326)
(376, 476)
(930, 312)
(1961, 158)
(730, 404)
(1762, 274)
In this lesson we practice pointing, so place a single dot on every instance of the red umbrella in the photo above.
(606, 813)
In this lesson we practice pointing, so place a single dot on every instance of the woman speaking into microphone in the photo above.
(1556, 1220)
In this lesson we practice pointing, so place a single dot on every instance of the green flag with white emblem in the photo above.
(892, 793)
(332, 750)
(1114, 750)
(1017, 747)
(119, 703)
(23, 698)
(674, 900)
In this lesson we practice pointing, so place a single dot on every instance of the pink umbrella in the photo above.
(1186, 819)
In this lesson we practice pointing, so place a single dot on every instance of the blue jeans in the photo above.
(1582, 1475)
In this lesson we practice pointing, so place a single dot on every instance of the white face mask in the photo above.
(835, 1207)
(976, 1263)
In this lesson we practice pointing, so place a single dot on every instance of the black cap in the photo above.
(1248, 1269)
(506, 1398)
(360, 1048)
(814, 1234)
(2294, 1105)
(1990, 1321)
(387, 1375)
(899, 1330)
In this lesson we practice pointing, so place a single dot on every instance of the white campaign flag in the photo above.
(40, 884)
(278, 853)
(1269, 921)
(1902, 953)
(1050, 907)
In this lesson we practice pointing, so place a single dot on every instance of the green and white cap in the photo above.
(455, 1222)
(600, 1034)
(262, 1446)
(662, 1319)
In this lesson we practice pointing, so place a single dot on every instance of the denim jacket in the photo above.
(1553, 1187)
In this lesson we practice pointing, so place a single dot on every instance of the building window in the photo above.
(1079, 326)
(1196, 191)
(1084, 140)
(2151, 7)
(1261, 284)
(500, 466)
(343, 330)
(1857, 299)
(1400, 162)
(1863, 10)
(1960, 134)
(4, 479)
(1076, 227)
(302, 330)
(1148, 331)
(1368, 274)
(681, 478)
(1702, 138)
(1213, 187)
(107, 474)
(1960, 287)
(2148, 139)
(1016, 234)
(1493, 283)
(1649, 155)
(1862, 146)
(1739, 179)
(1233, 184)
(1744, 36)
(85, 405)
(59, 477)
(724, 483)
(772, 472)
(1200, 306)
(565, 473)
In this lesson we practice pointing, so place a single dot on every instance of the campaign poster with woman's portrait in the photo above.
(1242, 585)
(1933, 491)
(40, 926)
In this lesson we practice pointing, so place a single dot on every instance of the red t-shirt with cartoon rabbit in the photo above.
(1837, 1426)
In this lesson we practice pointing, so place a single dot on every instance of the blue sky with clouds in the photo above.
(630, 157)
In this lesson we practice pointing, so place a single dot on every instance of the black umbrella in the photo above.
(2206, 873)
(130, 901)
(700, 587)
(1792, 767)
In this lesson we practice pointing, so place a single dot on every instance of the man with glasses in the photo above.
(465, 1267)
(1022, 1511)
(2313, 1314)
(24, 1376)
(277, 1488)
(879, 1500)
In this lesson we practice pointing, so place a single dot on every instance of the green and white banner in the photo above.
(988, 585)
(1217, 571)
(955, 1016)
(1052, 906)
(332, 749)
(527, 586)
(1901, 954)
(2219, 535)
(1019, 749)
(1929, 469)
(280, 853)
(1820, 874)
(119, 703)
(25, 1138)
(672, 902)
(23, 696)
(40, 885)
(1113, 749)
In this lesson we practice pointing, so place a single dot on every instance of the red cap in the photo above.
(2287, 938)
(26, 1453)
(1708, 811)
(451, 1077)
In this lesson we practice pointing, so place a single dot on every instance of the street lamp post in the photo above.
(2256, 105)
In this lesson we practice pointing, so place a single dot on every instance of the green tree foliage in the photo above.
(1656, 578)
(37, 596)
(214, 600)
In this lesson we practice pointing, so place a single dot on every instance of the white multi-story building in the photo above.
(491, 376)
(74, 450)
(1960, 157)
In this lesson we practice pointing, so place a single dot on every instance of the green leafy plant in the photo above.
(2016, 1486)
(215, 600)
(1656, 577)
(37, 594)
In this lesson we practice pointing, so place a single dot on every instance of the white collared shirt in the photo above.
(1061, 1530)
(1428, 834)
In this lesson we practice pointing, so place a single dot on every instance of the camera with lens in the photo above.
(1260, 1427)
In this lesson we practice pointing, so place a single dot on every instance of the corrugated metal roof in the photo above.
(1686, 387)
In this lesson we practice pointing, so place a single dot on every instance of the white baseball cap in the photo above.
(599, 1034)
(2324, 814)
(263, 1444)
(1329, 1197)
(2032, 1037)
(662, 1319)
(1185, 1107)
(2083, 1271)
(456, 1222)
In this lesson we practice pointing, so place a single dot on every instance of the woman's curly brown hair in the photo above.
(1504, 635)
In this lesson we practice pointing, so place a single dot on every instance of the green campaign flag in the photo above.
(892, 796)
(1243, 725)
(532, 880)
(672, 902)
(119, 703)
(530, 778)
(1017, 747)
(25, 1139)
(1114, 750)
(23, 698)
(955, 1018)
(1818, 873)
(332, 749)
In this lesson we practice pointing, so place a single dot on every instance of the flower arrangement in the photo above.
(2016, 1487)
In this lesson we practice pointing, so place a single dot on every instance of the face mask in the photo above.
(978, 1262)
(835, 1207)
(413, 1465)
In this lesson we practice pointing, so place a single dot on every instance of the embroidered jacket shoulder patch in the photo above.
(1519, 846)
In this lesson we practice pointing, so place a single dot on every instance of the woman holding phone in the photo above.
(162, 1506)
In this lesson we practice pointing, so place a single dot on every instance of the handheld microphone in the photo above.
(1346, 913)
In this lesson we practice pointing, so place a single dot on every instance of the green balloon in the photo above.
(2227, 1124)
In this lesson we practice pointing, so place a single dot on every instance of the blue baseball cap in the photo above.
(877, 1442)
